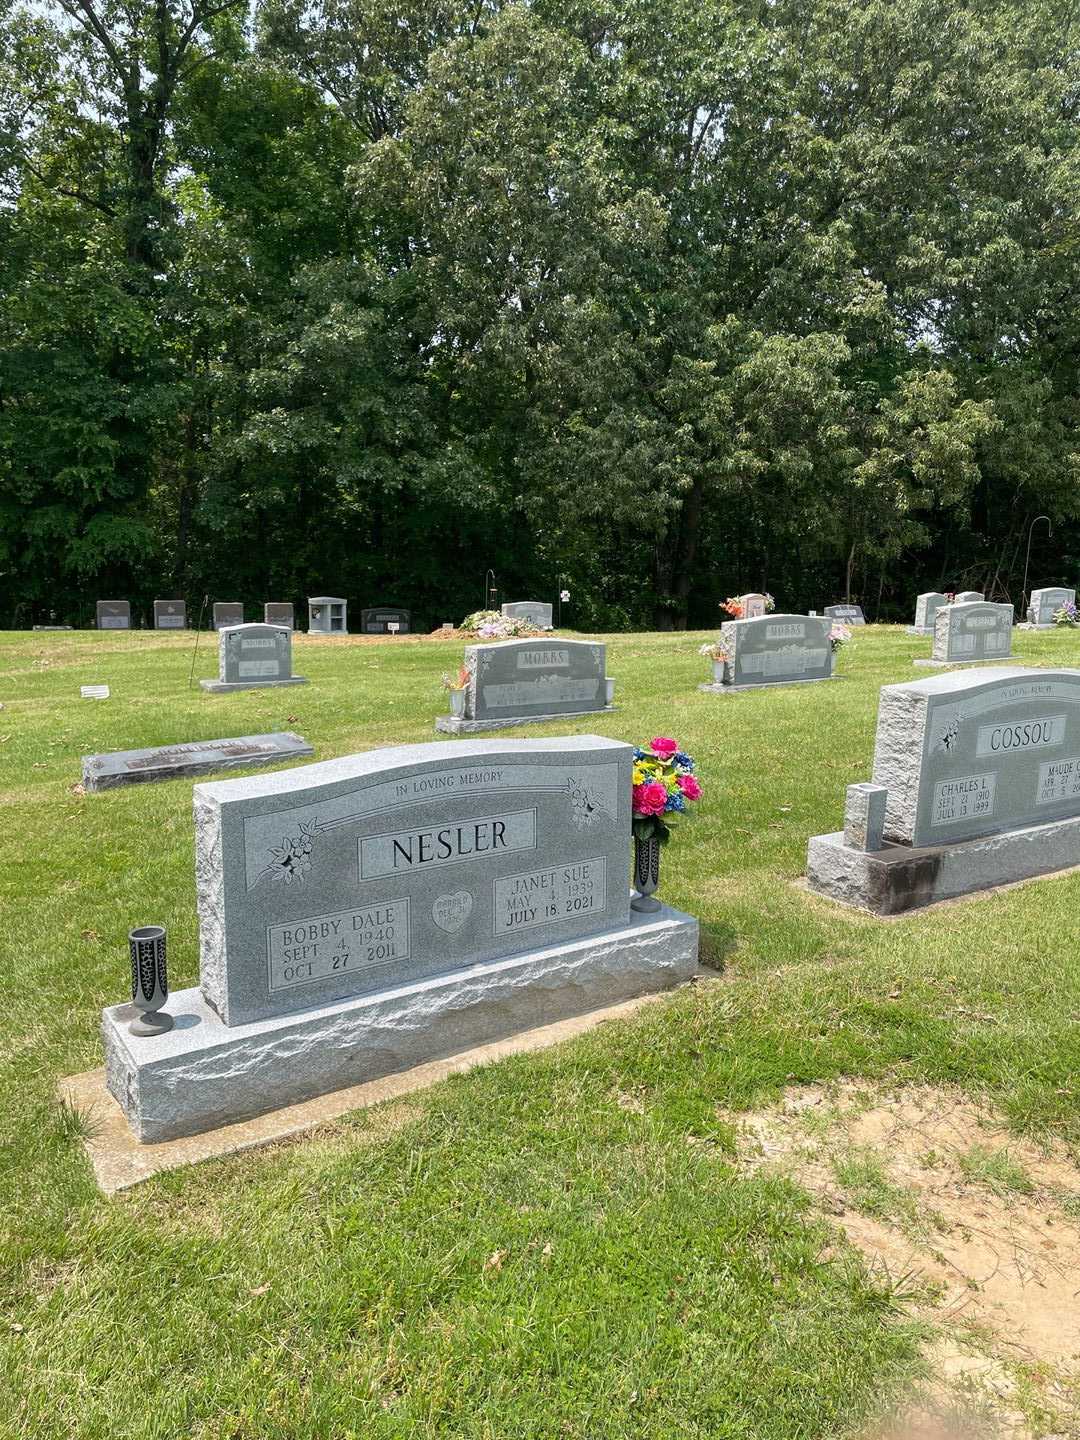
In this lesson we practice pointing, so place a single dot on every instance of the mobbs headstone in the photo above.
(515, 681)
(253, 656)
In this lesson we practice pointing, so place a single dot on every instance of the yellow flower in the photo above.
(639, 775)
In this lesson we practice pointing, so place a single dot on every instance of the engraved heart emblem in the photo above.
(451, 911)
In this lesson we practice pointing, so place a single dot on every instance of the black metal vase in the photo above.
(149, 980)
(646, 875)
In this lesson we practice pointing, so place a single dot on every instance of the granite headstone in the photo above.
(927, 606)
(775, 650)
(327, 615)
(515, 681)
(754, 605)
(278, 613)
(970, 631)
(1045, 604)
(113, 615)
(968, 597)
(384, 620)
(253, 656)
(170, 615)
(845, 614)
(532, 612)
(227, 612)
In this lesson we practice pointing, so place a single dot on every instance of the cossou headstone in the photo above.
(982, 774)
(327, 615)
(253, 656)
(753, 605)
(927, 606)
(365, 914)
(114, 615)
(278, 613)
(515, 681)
(775, 650)
(1045, 604)
(532, 612)
(170, 615)
(846, 614)
(384, 620)
(227, 612)
(970, 631)
(172, 762)
(968, 597)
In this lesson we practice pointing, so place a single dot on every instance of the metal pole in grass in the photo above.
(489, 589)
(1027, 556)
(198, 632)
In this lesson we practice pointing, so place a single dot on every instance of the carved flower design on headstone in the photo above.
(949, 736)
(292, 858)
(585, 806)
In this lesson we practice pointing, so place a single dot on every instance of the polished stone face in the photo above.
(534, 677)
(227, 612)
(776, 648)
(978, 752)
(846, 614)
(1047, 602)
(170, 615)
(378, 619)
(355, 875)
(975, 630)
(278, 613)
(113, 615)
(254, 652)
(534, 612)
(927, 606)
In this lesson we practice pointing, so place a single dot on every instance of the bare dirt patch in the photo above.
(979, 1228)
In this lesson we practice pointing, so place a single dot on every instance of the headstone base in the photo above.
(218, 687)
(203, 1073)
(899, 877)
(199, 757)
(956, 664)
(923, 630)
(766, 685)
(452, 725)
(1027, 625)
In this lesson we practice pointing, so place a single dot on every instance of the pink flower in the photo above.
(650, 799)
(663, 748)
(689, 787)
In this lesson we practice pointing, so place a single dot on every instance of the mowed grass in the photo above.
(556, 1246)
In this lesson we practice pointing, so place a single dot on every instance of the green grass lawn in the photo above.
(514, 1253)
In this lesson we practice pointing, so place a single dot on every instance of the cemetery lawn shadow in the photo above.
(565, 1244)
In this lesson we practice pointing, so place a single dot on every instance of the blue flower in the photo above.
(681, 758)
(675, 802)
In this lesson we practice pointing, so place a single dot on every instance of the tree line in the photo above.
(657, 300)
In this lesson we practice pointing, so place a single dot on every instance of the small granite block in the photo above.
(864, 816)
(902, 877)
(201, 757)
(203, 1073)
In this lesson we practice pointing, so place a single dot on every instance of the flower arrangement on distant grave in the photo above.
(460, 681)
(734, 607)
(493, 625)
(716, 650)
(664, 784)
(839, 636)
(1067, 615)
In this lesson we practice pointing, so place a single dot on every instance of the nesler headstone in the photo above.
(227, 612)
(278, 613)
(516, 681)
(173, 762)
(533, 612)
(927, 606)
(384, 620)
(170, 615)
(846, 614)
(970, 631)
(1045, 603)
(114, 615)
(775, 650)
(982, 778)
(363, 915)
(253, 656)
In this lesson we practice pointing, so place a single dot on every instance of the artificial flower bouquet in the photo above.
(493, 625)
(734, 606)
(664, 784)
(460, 681)
(839, 636)
(1067, 615)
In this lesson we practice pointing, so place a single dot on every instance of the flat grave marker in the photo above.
(117, 768)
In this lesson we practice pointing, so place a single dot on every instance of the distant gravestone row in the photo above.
(362, 915)
(976, 782)
(172, 614)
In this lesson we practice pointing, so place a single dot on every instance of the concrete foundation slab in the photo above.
(202, 1074)
(902, 877)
